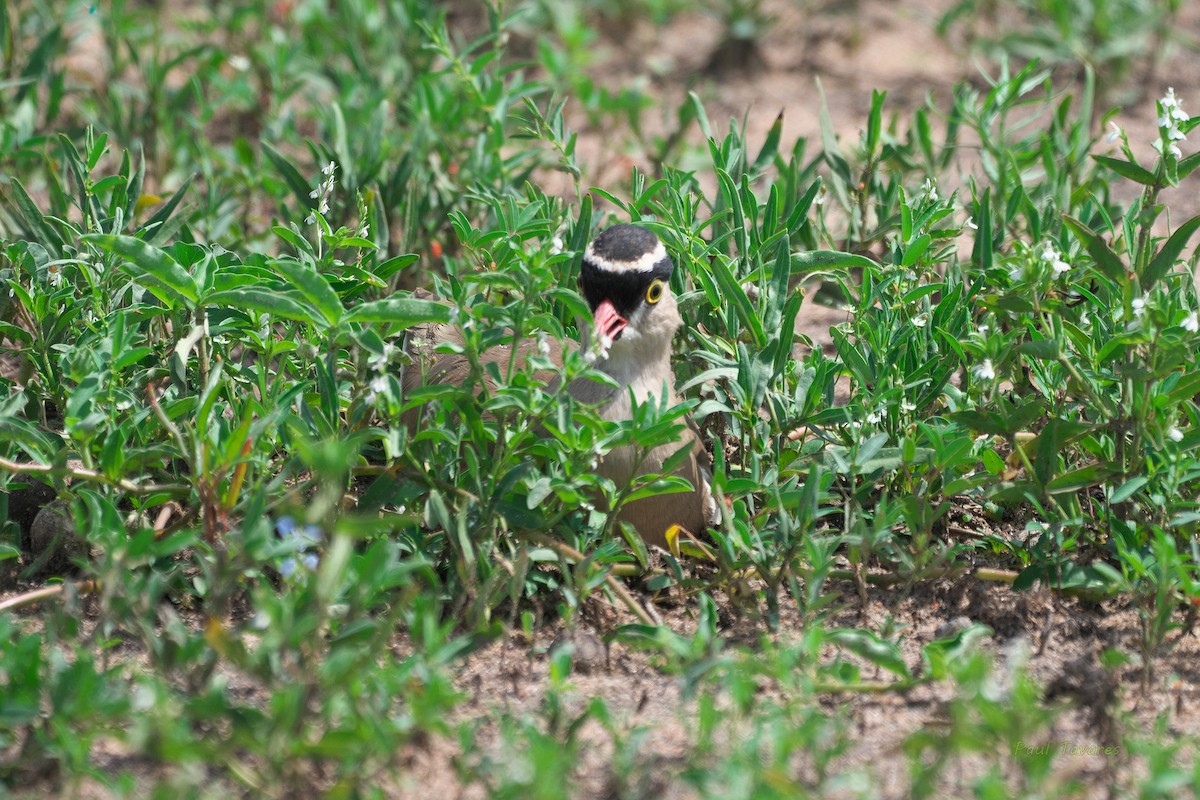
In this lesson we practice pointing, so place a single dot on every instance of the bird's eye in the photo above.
(654, 292)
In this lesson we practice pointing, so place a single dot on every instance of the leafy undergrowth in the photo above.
(228, 560)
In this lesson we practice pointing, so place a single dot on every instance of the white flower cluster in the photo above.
(378, 363)
(598, 350)
(930, 190)
(1172, 114)
(985, 371)
(1054, 258)
(321, 193)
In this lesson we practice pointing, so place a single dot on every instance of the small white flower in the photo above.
(1192, 322)
(907, 407)
(820, 198)
(1114, 132)
(314, 194)
(239, 62)
(930, 190)
(310, 219)
(1171, 115)
(378, 362)
(324, 207)
(1174, 434)
(364, 231)
(556, 245)
(875, 417)
(921, 320)
(328, 169)
(377, 386)
(970, 224)
(1172, 108)
(605, 343)
(1173, 149)
(985, 371)
(1054, 258)
(983, 329)
(543, 344)
(1139, 306)
(54, 274)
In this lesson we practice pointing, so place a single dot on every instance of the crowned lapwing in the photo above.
(624, 277)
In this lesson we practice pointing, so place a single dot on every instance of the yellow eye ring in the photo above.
(654, 292)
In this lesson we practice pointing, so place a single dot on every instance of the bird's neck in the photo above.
(643, 368)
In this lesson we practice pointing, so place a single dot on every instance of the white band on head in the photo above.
(644, 263)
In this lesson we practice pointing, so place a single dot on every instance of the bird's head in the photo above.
(625, 278)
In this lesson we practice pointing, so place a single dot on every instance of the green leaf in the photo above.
(734, 294)
(155, 225)
(1185, 388)
(1106, 260)
(982, 251)
(34, 221)
(862, 372)
(939, 654)
(37, 444)
(1081, 478)
(266, 301)
(1169, 254)
(1128, 169)
(291, 176)
(1188, 165)
(394, 264)
(797, 218)
(766, 156)
(153, 268)
(1044, 349)
(1099, 579)
(313, 286)
(828, 259)
(870, 646)
(402, 311)
(1128, 489)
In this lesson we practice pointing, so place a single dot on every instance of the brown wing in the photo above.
(695, 511)
(427, 366)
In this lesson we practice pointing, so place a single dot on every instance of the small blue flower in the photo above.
(303, 541)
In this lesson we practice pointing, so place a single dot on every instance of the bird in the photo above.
(624, 277)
